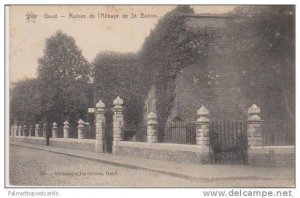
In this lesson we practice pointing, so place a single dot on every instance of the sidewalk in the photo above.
(183, 170)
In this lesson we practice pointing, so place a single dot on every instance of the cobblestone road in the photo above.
(41, 168)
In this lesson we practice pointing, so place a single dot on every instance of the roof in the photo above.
(207, 15)
(207, 20)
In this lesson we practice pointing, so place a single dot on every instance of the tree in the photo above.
(64, 75)
(115, 74)
(25, 101)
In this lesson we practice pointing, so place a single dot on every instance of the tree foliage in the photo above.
(25, 104)
(115, 74)
(63, 73)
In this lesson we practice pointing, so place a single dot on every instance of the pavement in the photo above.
(284, 176)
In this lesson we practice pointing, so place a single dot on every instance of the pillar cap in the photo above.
(118, 101)
(203, 111)
(66, 123)
(54, 124)
(254, 118)
(100, 104)
(152, 115)
(81, 122)
(254, 109)
(37, 125)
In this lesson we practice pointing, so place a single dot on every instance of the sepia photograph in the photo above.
(152, 96)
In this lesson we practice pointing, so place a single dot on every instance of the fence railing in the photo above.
(180, 132)
(89, 131)
(139, 135)
(60, 131)
(41, 130)
(274, 132)
(73, 133)
(278, 132)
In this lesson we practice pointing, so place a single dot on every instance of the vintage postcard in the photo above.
(150, 96)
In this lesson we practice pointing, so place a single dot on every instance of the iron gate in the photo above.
(108, 137)
(228, 142)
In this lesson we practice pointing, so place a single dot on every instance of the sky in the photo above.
(27, 36)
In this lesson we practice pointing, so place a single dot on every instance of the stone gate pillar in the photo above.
(20, 130)
(24, 129)
(44, 129)
(254, 129)
(36, 130)
(118, 122)
(202, 128)
(14, 129)
(29, 130)
(100, 123)
(152, 125)
(80, 129)
(54, 130)
(66, 129)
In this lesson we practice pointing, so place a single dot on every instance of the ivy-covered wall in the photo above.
(249, 60)
(223, 62)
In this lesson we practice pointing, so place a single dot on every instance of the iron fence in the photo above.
(141, 134)
(60, 131)
(138, 135)
(31, 131)
(40, 131)
(278, 133)
(89, 131)
(180, 132)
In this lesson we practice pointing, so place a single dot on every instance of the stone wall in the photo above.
(271, 156)
(259, 154)
(30, 140)
(171, 152)
(77, 144)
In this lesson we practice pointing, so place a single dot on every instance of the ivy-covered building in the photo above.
(224, 81)
(225, 62)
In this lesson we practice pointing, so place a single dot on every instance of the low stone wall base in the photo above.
(271, 156)
(77, 144)
(171, 152)
(30, 139)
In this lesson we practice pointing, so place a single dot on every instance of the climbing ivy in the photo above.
(170, 47)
